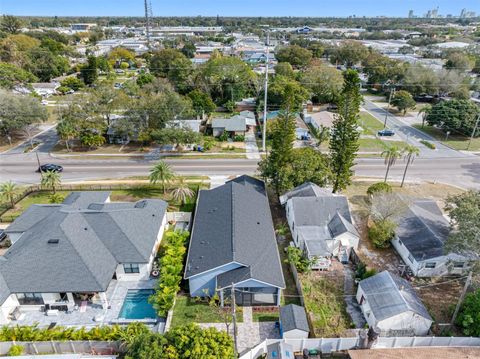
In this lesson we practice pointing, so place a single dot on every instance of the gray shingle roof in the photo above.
(390, 295)
(233, 223)
(292, 317)
(31, 216)
(307, 189)
(423, 230)
(236, 123)
(319, 211)
(339, 225)
(90, 245)
(81, 200)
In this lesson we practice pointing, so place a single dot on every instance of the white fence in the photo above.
(329, 345)
(66, 347)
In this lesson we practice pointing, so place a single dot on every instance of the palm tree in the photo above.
(425, 111)
(8, 191)
(51, 179)
(182, 191)
(410, 153)
(161, 172)
(391, 155)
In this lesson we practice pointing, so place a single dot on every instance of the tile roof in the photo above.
(389, 295)
(78, 250)
(233, 223)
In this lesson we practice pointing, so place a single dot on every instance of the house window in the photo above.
(410, 258)
(131, 268)
(430, 265)
(458, 264)
(30, 299)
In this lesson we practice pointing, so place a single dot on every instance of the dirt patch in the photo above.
(440, 300)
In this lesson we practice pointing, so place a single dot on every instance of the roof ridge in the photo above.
(232, 212)
(400, 291)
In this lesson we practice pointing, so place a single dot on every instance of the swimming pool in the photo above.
(136, 305)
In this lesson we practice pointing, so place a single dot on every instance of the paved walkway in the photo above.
(217, 181)
(353, 309)
(251, 146)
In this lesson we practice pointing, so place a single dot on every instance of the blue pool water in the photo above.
(136, 305)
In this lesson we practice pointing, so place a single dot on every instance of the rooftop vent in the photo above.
(53, 241)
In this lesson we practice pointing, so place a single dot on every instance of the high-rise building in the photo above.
(435, 13)
(410, 14)
(463, 14)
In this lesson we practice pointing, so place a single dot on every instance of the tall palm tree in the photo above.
(8, 191)
(161, 172)
(410, 152)
(182, 191)
(425, 111)
(391, 155)
(51, 179)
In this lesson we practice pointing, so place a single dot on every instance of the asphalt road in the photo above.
(462, 172)
(412, 135)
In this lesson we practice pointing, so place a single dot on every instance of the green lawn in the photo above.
(265, 316)
(42, 197)
(370, 124)
(375, 144)
(187, 310)
(455, 141)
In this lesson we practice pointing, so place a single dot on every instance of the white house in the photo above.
(66, 254)
(391, 307)
(293, 322)
(320, 223)
(45, 89)
(419, 240)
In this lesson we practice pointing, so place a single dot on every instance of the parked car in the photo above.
(50, 167)
(386, 133)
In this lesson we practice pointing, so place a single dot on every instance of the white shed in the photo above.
(293, 322)
(391, 306)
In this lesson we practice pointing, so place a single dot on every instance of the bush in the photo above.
(223, 137)
(15, 350)
(56, 198)
(380, 187)
(239, 138)
(208, 143)
(469, 318)
(363, 272)
(296, 257)
(381, 232)
(171, 268)
(428, 144)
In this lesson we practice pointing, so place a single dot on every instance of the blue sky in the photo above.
(234, 7)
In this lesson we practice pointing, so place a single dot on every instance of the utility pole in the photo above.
(474, 131)
(234, 319)
(265, 97)
(462, 296)
(388, 107)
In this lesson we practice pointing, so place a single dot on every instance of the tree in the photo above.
(349, 53)
(11, 76)
(182, 191)
(91, 139)
(145, 78)
(411, 152)
(344, 135)
(464, 212)
(19, 111)
(8, 190)
(424, 111)
(67, 132)
(309, 165)
(202, 103)
(324, 82)
(420, 79)
(387, 206)
(294, 55)
(459, 61)
(161, 172)
(377, 188)
(391, 154)
(119, 55)
(173, 65)
(381, 69)
(381, 233)
(469, 319)
(73, 83)
(285, 90)
(284, 69)
(10, 24)
(296, 257)
(403, 100)
(46, 65)
(51, 179)
(89, 71)
(104, 100)
(189, 50)
(454, 115)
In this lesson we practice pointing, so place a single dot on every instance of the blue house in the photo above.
(233, 243)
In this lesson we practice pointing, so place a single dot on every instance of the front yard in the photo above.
(455, 141)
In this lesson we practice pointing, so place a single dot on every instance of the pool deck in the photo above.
(116, 293)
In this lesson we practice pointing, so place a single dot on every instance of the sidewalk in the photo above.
(251, 146)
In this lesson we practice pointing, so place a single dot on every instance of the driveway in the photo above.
(251, 146)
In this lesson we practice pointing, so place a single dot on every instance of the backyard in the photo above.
(455, 141)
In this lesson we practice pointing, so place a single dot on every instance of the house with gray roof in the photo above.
(235, 125)
(392, 307)
(65, 254)
(420, 240)
(233, 244)
(321, 224)
(293, 322)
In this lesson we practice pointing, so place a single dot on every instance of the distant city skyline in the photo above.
(307, 8)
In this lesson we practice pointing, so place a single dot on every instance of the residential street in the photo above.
(411, 135)
(462, 172)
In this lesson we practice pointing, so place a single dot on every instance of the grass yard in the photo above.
(369, 123)
(454, 141)
(323, 295)
(187, 310)
(265, 316)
